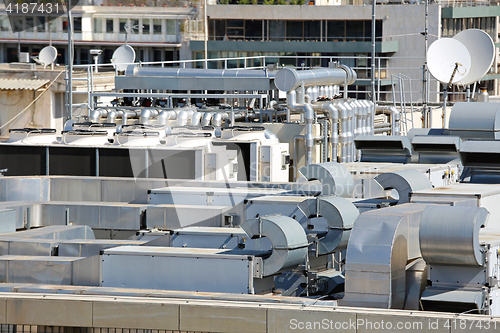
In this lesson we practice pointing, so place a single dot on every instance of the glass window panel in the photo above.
(77, 24)
(97, 25)
(64, 24)
(52, 25)
(354, 29)
(122, 23)
(4, 23)
(294, 30)
(336, 30)
(30, 24)
(171, 27)
(146, 26)
(109, 25)
(312, 30)
(156, 26)
(277, 30)
(253, 29)
(40, 23)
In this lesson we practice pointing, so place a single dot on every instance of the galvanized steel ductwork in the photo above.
(334, 177)
(288, 239)
(404, 182)
(450, 235)
(288, 79)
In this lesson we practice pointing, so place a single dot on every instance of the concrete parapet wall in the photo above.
(220, 316)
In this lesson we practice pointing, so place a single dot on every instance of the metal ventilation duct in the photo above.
(480, 154)
(450, 235)
(193, 79)
(404, 182)
(475, 120)
(381, 243)
(288, 79)
(288, 239)
(436, 149)
(381, 148)
(340, 214)
(334, 177)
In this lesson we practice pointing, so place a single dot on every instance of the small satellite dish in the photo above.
(448, 58)
(123, 56)
(482, 52)
(47, 55)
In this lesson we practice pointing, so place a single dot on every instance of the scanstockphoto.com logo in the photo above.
(24, 15)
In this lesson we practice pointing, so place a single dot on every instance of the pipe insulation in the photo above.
(334, 177)
(207, 118)
(449, 235)
(147, 114)
(288, 239)
(95, 115)
(288, 79)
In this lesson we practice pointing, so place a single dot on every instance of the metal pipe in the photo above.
(288, 79)
(147, 114)
(207, 117)
(343, 132)
(395, 118)
(165, 115)
(333, 114)
(196, 118)
(183, 117)
(350, 132)
(128, 113)
(308, 118)
(95, 115)
(113, 114)
(217, 118)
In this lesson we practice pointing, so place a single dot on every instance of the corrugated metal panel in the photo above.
(20, 84)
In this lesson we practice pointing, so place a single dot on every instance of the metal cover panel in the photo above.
(207, 273)
(33, 247)
(170, 217)
(22, 84)
(7, 220)
(92, 247)
(56, 232)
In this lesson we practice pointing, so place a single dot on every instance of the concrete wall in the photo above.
(221, 316)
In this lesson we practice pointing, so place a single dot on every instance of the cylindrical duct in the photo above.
(288, 79)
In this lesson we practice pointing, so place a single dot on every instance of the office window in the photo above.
(98, 25)
(30, 24)
(64, 25)
(156, 26)
(122, 22)
(53, 25)
(4, 23)
(146, 29)
(294, 30)
(109, 25)
(40, 23)
(77, 24)
(171, 30)
(18, 23)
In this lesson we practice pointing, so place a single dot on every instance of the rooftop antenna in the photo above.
(122, 57)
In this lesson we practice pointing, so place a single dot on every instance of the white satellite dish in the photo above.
(123, 56)
(47, 55)
(482, 52)
(448, 59)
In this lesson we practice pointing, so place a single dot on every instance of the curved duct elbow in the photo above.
(404, 182)
(147, 114)
(309, 118)
(217, 119)
(291, 100)
(183, 117)
(95, 115)
(112, 115)
(207, 118)
(196, 118)
(288, 239)
(334, 177)
(165, 115)
(127, 114)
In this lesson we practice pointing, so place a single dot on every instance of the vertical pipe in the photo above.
(70, 65)
(373, 52)
(343, 131)
(97, 161)
(425, 83)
